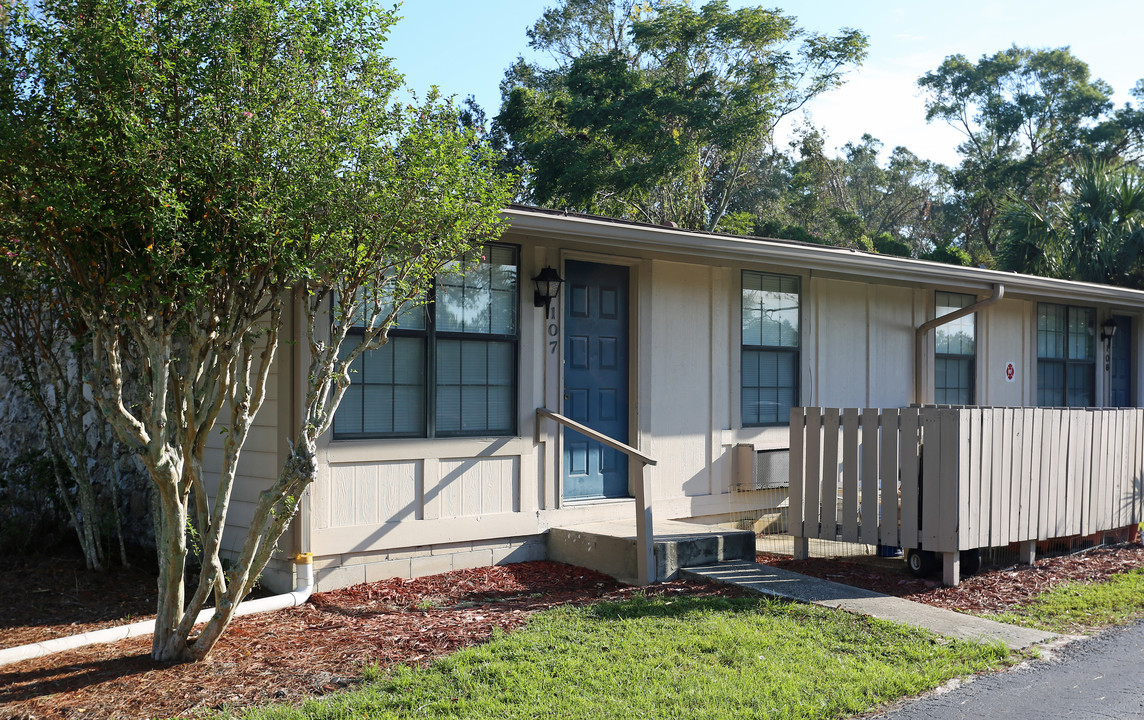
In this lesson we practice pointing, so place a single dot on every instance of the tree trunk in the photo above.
(171, 545)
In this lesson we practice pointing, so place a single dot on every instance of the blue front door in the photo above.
(595, 378)
(1120, 364)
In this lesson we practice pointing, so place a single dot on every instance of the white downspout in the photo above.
(301, 593)
(920, 333)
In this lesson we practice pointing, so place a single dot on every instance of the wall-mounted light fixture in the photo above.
(1107, 330)
(548, 283)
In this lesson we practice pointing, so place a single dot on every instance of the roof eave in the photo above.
(840, 261)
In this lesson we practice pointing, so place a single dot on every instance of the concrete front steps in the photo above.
(610, 547)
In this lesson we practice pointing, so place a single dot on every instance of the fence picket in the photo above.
(868, 529)
(948, 505)
(971, 522)
(964, 528)
(960, 478)
(829, 493)
(1005, 468)
(931, 468)
(1036, 472)
(1026, 512)
(1060, 457)
(850, 475)
(990, 490)
(812, 509)
(797, 471)
(909, 449)
(888, 480)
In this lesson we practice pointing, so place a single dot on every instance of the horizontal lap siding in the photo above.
(258, 463)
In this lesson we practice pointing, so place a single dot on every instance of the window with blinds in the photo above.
(449, 368)
(955, 351)
(770, 351)
(1066, 356)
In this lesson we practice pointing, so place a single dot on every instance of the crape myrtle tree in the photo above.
(658, 111)
(183, 172)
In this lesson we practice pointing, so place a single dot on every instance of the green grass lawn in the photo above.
(1081, 607)
(675, 657)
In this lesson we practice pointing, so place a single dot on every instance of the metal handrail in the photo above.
(645, 536)
(596, 435)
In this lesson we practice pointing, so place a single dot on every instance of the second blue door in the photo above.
(595, 378)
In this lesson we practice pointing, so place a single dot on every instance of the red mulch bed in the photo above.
(321, 647)
(992, 590)
(284, 656)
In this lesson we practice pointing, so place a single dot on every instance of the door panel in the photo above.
(1120, 364)
(595, 378)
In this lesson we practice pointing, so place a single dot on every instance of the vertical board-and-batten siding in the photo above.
(861, 352)
(681, 421)
(988, 476)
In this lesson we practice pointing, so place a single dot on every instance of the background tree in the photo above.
(1094, 234)
(658, 111)
(46, 350)
(853, 199)
(177, 169)
(1028, 116)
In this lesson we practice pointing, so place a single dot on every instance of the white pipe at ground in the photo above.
(305, 586)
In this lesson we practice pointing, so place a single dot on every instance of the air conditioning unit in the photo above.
(760, 469)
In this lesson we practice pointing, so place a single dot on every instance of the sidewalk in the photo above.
(769, 580)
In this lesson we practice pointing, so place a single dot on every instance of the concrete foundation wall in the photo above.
(335, 571)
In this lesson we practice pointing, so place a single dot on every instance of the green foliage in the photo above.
(1095, 233)
(949, 254)
(737, 223)
(886, 244)
(678, 657)
(1028, 115)
(175, 167)
(848, 198)
(798, 233)
(658, 111)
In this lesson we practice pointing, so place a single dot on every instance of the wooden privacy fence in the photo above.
(951, 479)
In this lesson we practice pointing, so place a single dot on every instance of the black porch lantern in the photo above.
(1107, 329)
(548, 283)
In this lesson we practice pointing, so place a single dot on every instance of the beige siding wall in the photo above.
(1007, 333)
(411, 507)
(862, 342)
(258, 467)
(681, 412)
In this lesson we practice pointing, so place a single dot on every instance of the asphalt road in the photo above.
(1101, 677)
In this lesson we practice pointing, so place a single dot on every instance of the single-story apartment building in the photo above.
(680, 344)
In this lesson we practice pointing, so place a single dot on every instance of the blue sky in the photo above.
(464, 48)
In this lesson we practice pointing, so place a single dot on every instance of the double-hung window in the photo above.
(1066, 356)
(770, 359)
(955, 355)
(449, 367)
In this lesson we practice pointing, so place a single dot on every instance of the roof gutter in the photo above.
(924, 328)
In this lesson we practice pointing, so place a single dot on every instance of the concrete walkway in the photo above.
(792, 586)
